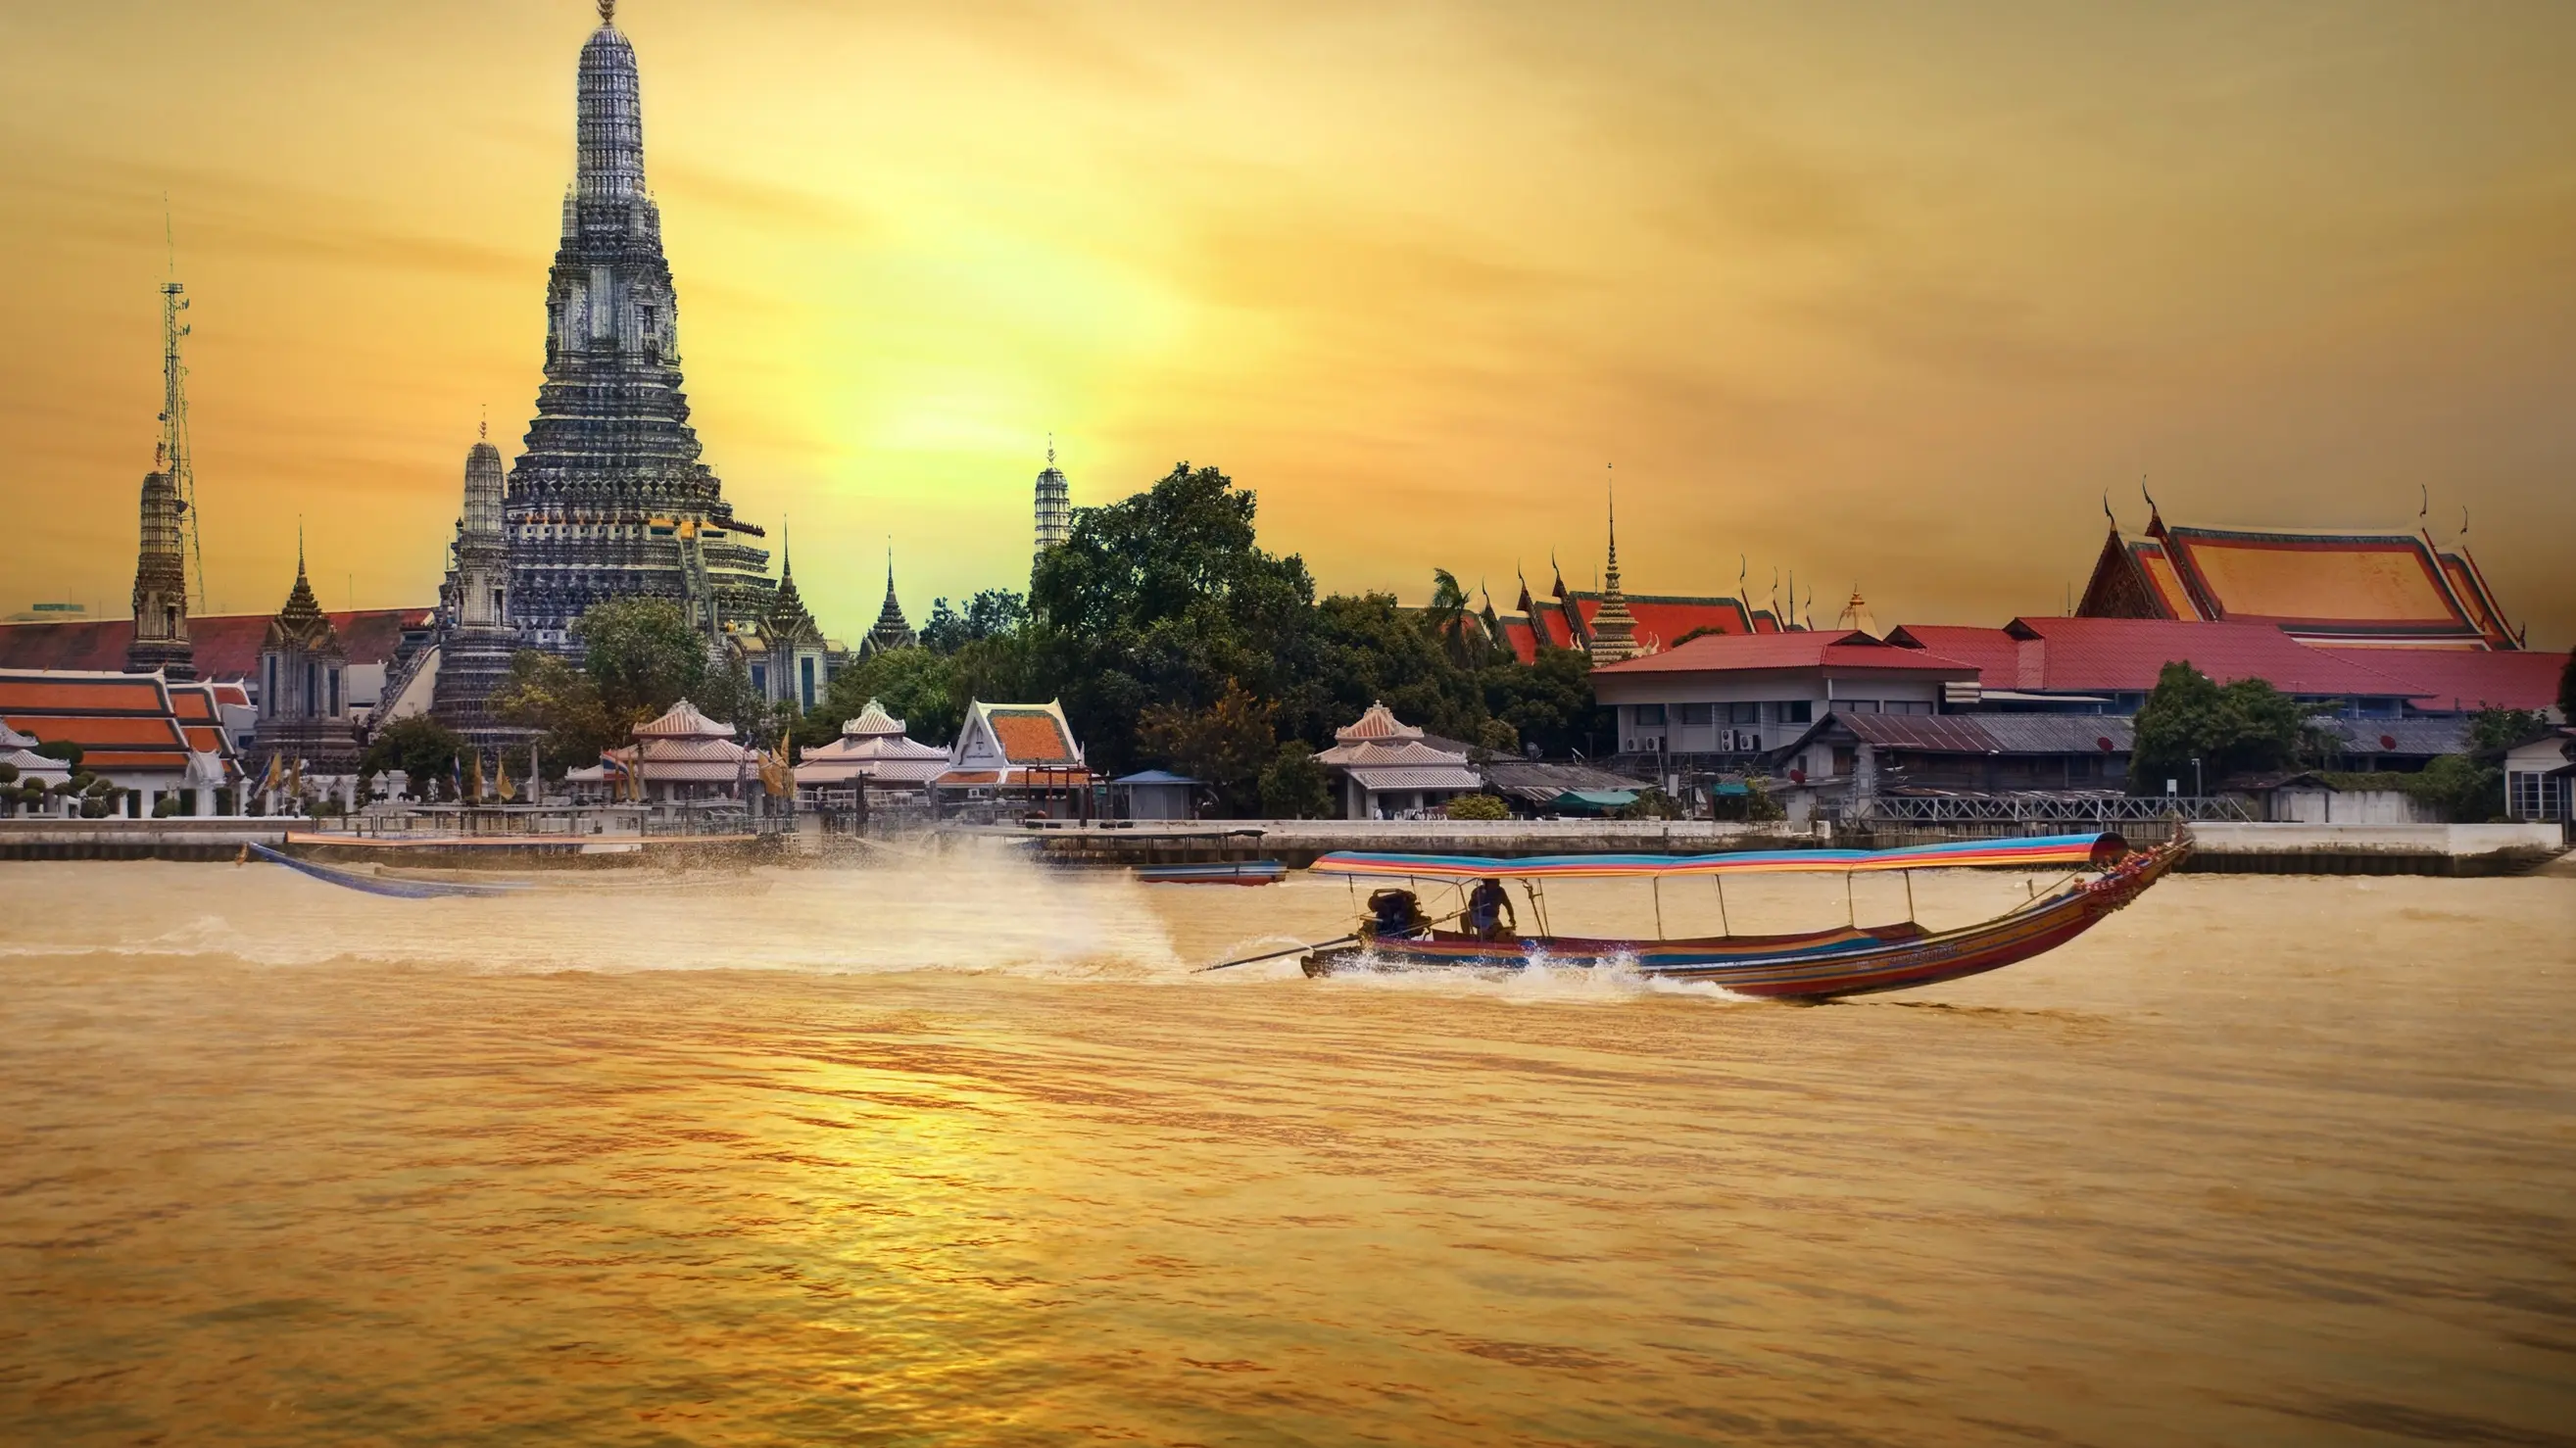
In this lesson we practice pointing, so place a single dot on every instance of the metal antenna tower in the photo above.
(174, 417)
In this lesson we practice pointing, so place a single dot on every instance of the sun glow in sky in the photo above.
(1889, 295)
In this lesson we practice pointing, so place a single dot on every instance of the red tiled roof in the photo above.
(110, 694)
(1993, 652)
(2089, 655)
(2466, 678)
(1805, 649)
(225, 646)
(1662, 620)
(1030, 736)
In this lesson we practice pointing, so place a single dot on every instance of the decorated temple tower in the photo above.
(892, 630)
(303, 699)
(161, 582)
(609, 499)
(1055, 506)
(477, 634)
(1613, 635)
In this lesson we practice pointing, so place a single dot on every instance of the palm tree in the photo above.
(1451, 621)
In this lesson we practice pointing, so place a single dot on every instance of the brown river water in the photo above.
(959, 1152)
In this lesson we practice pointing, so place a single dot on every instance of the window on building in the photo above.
(269, 703)
(760, 680)
(1795, 711)
(2530, 796)
(1648, 714)
(805, 683)
(1744, 713)
(334, 710)
(1909, 706)
(312, 688)
(1695, 714)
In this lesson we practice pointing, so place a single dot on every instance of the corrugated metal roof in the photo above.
(2427, 737)
(1451, 777)
(1989, 733)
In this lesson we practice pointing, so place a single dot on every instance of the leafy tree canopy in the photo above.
(2244, 726)
(423, 749)
(991, 613)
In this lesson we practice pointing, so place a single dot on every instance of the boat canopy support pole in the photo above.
(1851, 912)
(1909, 895)
(1658, 883)
(1723, 924)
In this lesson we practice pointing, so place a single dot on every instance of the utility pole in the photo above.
(174, 418)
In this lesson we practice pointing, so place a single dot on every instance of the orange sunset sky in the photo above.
(1888, 295)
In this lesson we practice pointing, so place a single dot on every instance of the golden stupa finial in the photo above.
(607, 12)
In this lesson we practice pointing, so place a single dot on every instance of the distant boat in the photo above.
(1242, 872)
(1852, 959)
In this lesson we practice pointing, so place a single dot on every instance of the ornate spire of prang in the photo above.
(1055, 504)
(161, 581)
(609, 496)
(300, 624)
(892, 630)
(1614, 630)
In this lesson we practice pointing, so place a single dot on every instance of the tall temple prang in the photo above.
(161, 581)
(609, 498)
(1055, 505)
(476, 633)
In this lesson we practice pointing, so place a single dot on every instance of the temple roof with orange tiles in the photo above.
(2320, 588)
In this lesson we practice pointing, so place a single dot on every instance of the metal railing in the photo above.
(2047, 808)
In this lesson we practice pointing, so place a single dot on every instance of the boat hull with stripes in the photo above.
(1852, 960)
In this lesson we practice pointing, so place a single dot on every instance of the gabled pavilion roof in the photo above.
(1376, 722)
(2321, 587)
(683, 721)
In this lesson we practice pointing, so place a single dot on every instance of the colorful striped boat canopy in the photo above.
(2040, 852)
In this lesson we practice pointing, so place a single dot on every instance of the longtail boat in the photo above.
(1852, 959)
(375, 884)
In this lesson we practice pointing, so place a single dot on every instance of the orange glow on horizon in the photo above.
(1889, 297)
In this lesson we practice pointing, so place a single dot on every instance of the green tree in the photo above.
(547, 693)
(991, 613)
(2503, 728)
(917, 686)
(425, 750)
(1161, 598)
(2246, 725)
(2567, 690)
(1295, 787)
(2459, 788)
(1477, 807)
(1226, 746)
(1452, 620)
(1548, 702)
(641, 654)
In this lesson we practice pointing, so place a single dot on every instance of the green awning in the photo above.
(1595, 799)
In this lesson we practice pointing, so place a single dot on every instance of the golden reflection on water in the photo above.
(961, 1153)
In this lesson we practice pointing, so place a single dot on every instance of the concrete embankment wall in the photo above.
(164, 839)
(2319, 849)
(2270, 849)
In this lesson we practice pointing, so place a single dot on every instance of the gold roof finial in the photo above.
(607, 12)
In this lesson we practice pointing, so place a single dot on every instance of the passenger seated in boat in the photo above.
(1395, 914)
(1489, 911)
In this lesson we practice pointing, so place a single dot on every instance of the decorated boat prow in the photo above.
(1851, 959)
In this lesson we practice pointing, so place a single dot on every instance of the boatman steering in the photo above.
(1489, 911)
